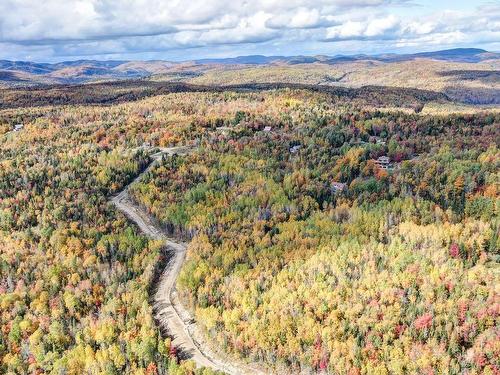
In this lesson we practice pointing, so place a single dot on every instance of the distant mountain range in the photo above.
(14, 73)
(472, 55)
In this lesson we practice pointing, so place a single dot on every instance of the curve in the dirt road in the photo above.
(170, 312)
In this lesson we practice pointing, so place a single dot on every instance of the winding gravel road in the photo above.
(170, 312)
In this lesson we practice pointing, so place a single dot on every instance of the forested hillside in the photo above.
(464, 75)
(396, 273)
(75, 276)
(309, 250)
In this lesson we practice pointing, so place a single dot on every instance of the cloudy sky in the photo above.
(56, 30)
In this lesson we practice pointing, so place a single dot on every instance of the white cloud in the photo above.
(35, 20)
(368, 29)
(420, 28)
(439, 39)
(300, 18)
(58, 28)
(381, 26)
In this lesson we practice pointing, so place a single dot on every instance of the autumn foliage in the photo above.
(395, 273)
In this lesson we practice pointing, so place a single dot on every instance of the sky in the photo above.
(60, 30)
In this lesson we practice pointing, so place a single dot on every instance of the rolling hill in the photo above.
(467, 75)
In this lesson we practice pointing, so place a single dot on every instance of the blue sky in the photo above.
(56, 30)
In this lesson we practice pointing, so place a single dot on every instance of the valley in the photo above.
(212, 187)
(152, 227)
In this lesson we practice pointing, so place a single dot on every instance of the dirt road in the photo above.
(172, 315)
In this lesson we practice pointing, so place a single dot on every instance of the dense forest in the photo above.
(307, 252)
(75, 276)
(395, 272)
(108, 93)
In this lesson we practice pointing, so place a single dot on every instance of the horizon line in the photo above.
(360, 54)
